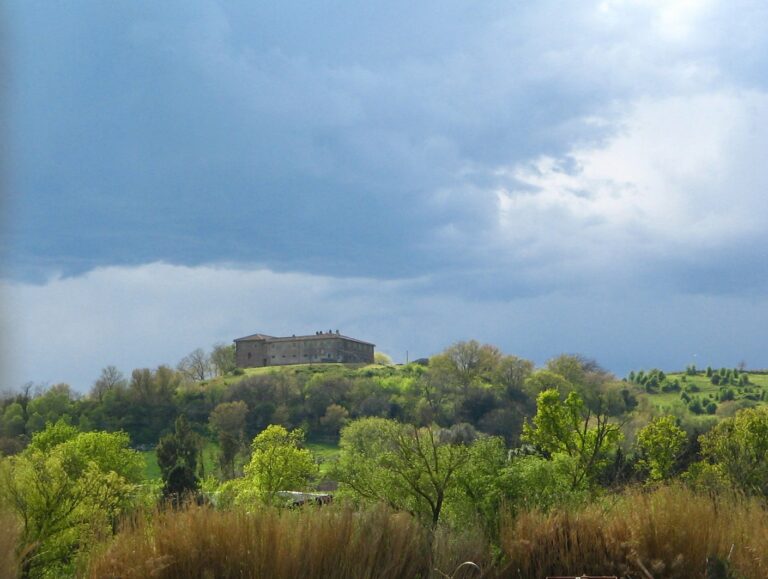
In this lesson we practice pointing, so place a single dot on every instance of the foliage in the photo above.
(738, 448)
(222, 358)
(177, 457)
(278, 463)
(228, 422)
(568, 427)
(660, 443)
(409, 468)
(68, 488)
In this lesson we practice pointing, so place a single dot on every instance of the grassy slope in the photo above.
(152, 470)
(666, 401)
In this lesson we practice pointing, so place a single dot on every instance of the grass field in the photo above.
(669, 401)
(326, 453)
(152, 470)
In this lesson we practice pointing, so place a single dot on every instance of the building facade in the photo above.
(260, 350)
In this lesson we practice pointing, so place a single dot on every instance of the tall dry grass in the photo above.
(10, 529)
(668, 533)
(330, 542)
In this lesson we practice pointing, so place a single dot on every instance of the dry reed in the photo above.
(670, 532)
(10, 530)
(322, 543)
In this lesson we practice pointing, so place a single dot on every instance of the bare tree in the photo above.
(109, 379)
(196, 365)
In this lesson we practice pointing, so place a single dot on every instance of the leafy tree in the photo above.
(177, 455)
(223, 358)
(278, 463)
(464, 362)
(68, 488)
(568, 427)
(738, 448)
(382, 358)
(543, 380)
(660, 443)
(334, 419)
(410, 468)
(228, 421)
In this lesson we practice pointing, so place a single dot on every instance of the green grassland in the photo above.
(325, 453)
(152, 469)
(699, 386)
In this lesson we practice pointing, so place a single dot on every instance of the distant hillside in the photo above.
(719, 392)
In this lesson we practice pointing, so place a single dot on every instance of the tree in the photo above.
(177, 458)
(382, 358)
(334, 419)
(109, 379)
(410, 468)
(464, 362)
(223, 358)
(196, 365)
(227, 420)
(660, 444)
(278, 463)
(568, 427)
(542, 380)
(68, 487)
(738, 448)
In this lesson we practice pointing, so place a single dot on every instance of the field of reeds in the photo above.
(9, 536)
(667, 533)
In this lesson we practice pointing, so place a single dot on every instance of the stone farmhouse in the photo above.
(323, 347)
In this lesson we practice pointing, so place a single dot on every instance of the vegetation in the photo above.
(472, 455)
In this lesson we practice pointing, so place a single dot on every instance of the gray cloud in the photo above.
(68, 328)
(539, 167)
(174, 131)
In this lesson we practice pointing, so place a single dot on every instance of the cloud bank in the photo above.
(67, 329)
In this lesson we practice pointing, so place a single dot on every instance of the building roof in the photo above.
(253, 338)
(323, 336)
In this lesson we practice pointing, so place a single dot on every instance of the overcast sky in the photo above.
(549, 177)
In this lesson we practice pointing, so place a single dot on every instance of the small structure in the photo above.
(298, 499)
(259, 350)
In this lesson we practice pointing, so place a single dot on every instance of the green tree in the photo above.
(738, 448)
(410, 468)
(177, 455)
(278, 463)
(543, 380)
(464, 362)
(69, 488)
(223, 358)
(660, 443)
(227, 420)
(569, 427)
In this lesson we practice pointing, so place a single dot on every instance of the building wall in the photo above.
(281, 352)
(251, 354)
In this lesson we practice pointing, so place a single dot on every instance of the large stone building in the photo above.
(262, 350)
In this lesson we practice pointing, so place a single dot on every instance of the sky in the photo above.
(549, 177)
